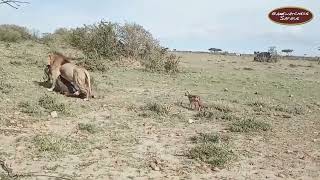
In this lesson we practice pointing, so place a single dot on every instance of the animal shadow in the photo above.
(45, 84)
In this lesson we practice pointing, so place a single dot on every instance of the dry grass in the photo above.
(111, 137)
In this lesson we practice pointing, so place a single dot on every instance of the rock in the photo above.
(281, 175)
(216, 169)
(290, 95)
(289, 151)
(226, 89)
(154, 166)
(54, 114)
(256, 93)
(191, 121)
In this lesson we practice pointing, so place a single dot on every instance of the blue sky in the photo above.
(232, 25)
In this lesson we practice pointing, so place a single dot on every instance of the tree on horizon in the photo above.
(215, 50)
(287, 51)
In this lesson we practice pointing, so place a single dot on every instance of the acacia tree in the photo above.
(215, 50)
(13, 3)
(287, 51)
(273, 50)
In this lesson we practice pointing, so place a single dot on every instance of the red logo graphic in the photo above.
(291, 15)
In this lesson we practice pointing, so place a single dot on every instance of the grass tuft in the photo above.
(28, 108)
(221, 106)
(206, 138)
(5, 88)
(54, 146)
(90, 128)
(249, 125)
(212, 154)
(51, 104)
(160, 109)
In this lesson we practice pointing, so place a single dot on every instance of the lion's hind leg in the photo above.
(79, 78)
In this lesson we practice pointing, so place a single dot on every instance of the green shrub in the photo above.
(5, 88)
(28, 108)
(211, 153)
(14, 33)
(90, 128)
(206, 138)
(249, 125)
(171, 64)
(160, 109)
(97, 41)
(110, 41)
(55, 146)
(50, 104)
(94, 65)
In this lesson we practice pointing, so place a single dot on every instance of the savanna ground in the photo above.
(263, 121)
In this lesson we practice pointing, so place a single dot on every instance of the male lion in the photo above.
(55, 61)
(62, 66)
(62, 86)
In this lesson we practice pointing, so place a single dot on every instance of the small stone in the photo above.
(281, 175)
(256, 93)
(54, 114)
(315, 140)
(289, 151)
(191, 121)
(216, 169)
(302, 157)
(154, 166)
(226, 89)
(290, 95)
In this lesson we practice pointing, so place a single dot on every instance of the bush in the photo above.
(172, 64)
(93, 65)
(249, 125)
(160, 109)
(28, 108)
(114, 42)
(90, 128)
(134, 39)
(5, 88)
(14, 33)
(50, 104)
(96, 41)
(212, 154)
(206, 138)
(55, 146)
(60, 36)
